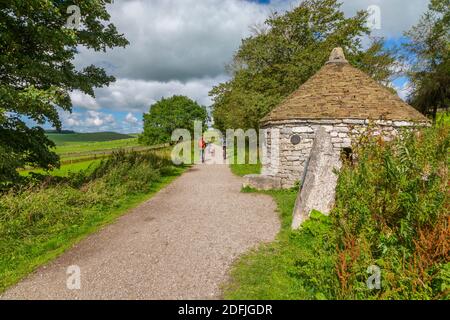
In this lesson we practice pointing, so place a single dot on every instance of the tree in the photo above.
(37, 73)
(278, 58)
(168, 114)
(429, 55)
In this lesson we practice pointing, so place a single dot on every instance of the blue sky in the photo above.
(182, 47)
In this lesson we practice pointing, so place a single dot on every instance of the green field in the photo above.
(61, 139)
(65, 170)
(81, 155)
(81, 146)
(78, 151)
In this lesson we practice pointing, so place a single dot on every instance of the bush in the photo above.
(168, 115)
(392, 211)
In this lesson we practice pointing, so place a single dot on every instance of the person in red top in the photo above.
(202, 146)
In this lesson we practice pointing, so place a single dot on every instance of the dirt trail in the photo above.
(178, 245)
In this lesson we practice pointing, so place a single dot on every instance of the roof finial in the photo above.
(337, 56)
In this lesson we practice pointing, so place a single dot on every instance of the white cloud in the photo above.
(138, 95)
(397, 16)
(88, 121)
(189, 39)
(182, 47)
(72, 120)
(84, 100)
(176, 39)
(131, 119)
(98, 119)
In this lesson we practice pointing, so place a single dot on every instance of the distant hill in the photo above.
(71, 137)
(60, 132)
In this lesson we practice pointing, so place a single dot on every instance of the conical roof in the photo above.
(340, 91)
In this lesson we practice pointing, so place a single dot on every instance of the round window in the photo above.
(295, 139)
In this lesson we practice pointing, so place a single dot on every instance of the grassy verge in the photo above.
(246, 168)
(293, 267)
(289, 267)
(40, 223)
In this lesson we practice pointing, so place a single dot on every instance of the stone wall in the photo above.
(286, 160)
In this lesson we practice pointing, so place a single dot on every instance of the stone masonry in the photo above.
(292, 159)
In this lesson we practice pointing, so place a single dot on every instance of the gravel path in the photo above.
(178, 245)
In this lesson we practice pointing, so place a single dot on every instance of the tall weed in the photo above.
(392, 211)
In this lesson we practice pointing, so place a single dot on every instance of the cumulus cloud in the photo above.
(138, 95)
(397, 16)
(87, 121)
(176, 39)
(131, 119)
(84, 100)
(189, 39)
(96, 121)
(182, 47)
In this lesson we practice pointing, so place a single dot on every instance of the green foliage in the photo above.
(443, 118)
(20, 145)
(37, 72)
(287, 51)
(168, 114)
(429, 49)
(40, 222)
(391, 211)
(315, 257)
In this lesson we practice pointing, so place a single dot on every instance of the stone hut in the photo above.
(341, 100)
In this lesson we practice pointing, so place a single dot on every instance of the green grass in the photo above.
(37, 225)
(244, 169)
(63, 139)
(83, 147)
(290, 267)
(80, 164)
(443, 118)
(65, 170)
(78, 151)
